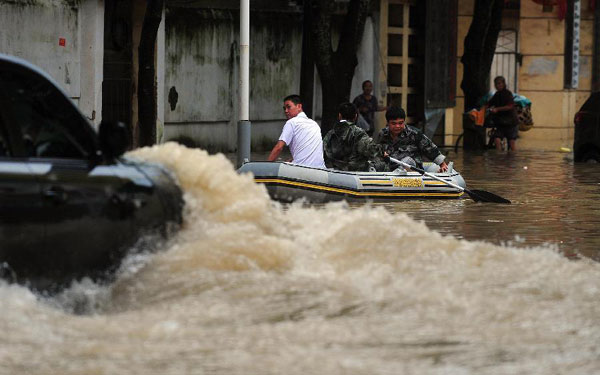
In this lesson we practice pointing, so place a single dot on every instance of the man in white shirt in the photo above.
(301, 134)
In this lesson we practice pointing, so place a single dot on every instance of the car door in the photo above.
(87, 217)
(20, 202)
(83, 204)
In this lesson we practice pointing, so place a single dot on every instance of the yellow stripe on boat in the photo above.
(357, 193)
(391, 183)
(435, 183)
(379, 182)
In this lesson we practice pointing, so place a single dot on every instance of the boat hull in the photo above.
(288, 182)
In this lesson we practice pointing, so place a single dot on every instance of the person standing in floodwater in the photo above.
(367, 105)
(503, 115)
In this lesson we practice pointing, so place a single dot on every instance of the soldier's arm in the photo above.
(430, 150)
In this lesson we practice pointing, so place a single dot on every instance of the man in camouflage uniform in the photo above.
(407, 143)
(347, 147)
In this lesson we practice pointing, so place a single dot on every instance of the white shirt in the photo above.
(303, 136)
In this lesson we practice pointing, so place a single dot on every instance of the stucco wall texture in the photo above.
(64, 38)
(45, 33)
(202, 74)
(202, 57)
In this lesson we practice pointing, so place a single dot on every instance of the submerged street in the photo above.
(554, 201)
(249, 286)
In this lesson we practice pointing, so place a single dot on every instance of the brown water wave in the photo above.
(249, 286)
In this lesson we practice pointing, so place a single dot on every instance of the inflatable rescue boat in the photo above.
(288, 182)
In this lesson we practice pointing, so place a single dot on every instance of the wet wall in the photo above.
(202, 74)
(46, 33)
(64, 38)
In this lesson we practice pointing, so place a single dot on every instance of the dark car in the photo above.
(70, 204)
(586, 146)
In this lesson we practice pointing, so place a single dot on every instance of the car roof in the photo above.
(26, 65)
(22, 64)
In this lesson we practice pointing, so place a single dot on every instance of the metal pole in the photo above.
(573, 19)
(244, 126)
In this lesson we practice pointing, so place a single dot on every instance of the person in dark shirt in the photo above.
(347, 147)
(503, 115)
(367, 105)
(407, 143)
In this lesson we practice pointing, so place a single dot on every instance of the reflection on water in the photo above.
(553, 202)
(249, 286)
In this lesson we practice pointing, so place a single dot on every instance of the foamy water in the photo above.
(251, 287)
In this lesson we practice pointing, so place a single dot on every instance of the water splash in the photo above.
(250, 286)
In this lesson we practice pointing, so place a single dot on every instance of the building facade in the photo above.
(536, 47)
(411, 50)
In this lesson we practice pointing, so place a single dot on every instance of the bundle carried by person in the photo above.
(480, 116)
(523, 108)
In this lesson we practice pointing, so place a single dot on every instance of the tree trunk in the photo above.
(480, 45)
(147, 91)
(336, 68)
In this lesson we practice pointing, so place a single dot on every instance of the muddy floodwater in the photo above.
(554, 201)
(249, 286)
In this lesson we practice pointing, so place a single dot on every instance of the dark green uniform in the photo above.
(347, 147)
(411, 142)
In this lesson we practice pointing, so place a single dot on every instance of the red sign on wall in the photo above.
(62, 42)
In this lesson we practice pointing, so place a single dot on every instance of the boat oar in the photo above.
(476, 195)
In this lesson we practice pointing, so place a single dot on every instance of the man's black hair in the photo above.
(348, 111)
(365, 82)
(395, 113)
(296, 99)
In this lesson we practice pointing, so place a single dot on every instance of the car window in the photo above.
(592, 104)
(4, 148)
(48, 123)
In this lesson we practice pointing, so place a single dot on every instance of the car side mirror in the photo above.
(114, 138)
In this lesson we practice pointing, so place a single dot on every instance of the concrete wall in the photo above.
(63, 37)
(197, 62)
(202, 58)
(541, 77)
(91, 32)
(202, 74)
